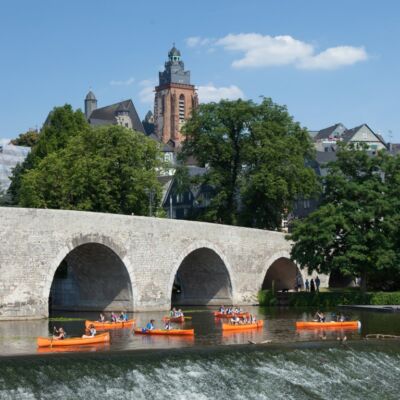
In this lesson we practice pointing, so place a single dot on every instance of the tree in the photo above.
(27, 139)
(105, 169)
(353, 229)
(61, 125)
(255, 156)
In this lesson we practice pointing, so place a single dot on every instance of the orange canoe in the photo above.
(175, 319)
(75, 349)
(242, 327)
(174, 332)
(218, 314)
(110, 325)
(330, 324)
(45, 341)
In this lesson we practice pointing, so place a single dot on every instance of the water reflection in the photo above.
(17, 337)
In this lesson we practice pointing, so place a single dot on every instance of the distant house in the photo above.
(188, 203)
(364, 134)
(122, 113)
(326, 139)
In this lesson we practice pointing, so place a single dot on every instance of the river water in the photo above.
(295, 365)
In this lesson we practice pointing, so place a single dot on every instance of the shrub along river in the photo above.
(310, 364)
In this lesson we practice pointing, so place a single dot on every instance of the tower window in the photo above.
(181, 108)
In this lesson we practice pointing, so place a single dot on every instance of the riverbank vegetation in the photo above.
(255, 157)
(355, 231)
(327, 299)
(74, 166)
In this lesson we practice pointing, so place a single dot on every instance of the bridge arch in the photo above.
(99, 276)
(281, 272)
(204, 276)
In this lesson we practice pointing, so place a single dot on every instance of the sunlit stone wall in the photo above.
(33, 243)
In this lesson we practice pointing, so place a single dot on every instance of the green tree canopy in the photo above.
(27, 139)
(61, 125)
(255, 156)
(356, 226)
(105, 169)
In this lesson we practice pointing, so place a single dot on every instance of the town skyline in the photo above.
(323, 74)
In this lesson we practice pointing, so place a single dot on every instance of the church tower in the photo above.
(174, 99)
(90, 104)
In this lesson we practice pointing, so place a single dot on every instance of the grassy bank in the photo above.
(328, 299)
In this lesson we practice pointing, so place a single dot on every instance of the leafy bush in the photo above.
(330, 299)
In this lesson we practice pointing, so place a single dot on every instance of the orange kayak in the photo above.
(175, 319)
(75, 349)
(330, 324)
(175, 332)
(218, 314)
(110, 325)
(242, 327)
(45, 341)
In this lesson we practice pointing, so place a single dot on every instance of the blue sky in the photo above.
(327, 61)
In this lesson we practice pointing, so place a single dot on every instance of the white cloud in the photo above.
(335, 57)
(195, 41)
(127, 82)
(265, 51)
(146, 93)
(210, 93)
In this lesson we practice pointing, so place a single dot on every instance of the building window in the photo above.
(181, 108)
(306, 204)
(126, 125)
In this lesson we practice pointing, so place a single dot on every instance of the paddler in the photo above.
(150, 325)
(92, 332)
(167, 325)
(102, 318)
(320, 316)
(59, 334)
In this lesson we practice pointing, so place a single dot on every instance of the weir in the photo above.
(92, 261)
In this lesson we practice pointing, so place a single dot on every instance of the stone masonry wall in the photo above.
(33, 243)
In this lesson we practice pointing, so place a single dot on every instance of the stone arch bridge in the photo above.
(55, 259)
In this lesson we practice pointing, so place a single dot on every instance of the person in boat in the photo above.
(167, 325)
(102, 318)
(92, 332)
(123, 317)
(237, 310)
(340, 318)
(235, 320)
(150, 325)
(244, 320)
(252, 319)
(320, 316)
(179, 313)
(173, 312)
(59, 334)
(114, 317)
(222, 310)
(229, 310)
